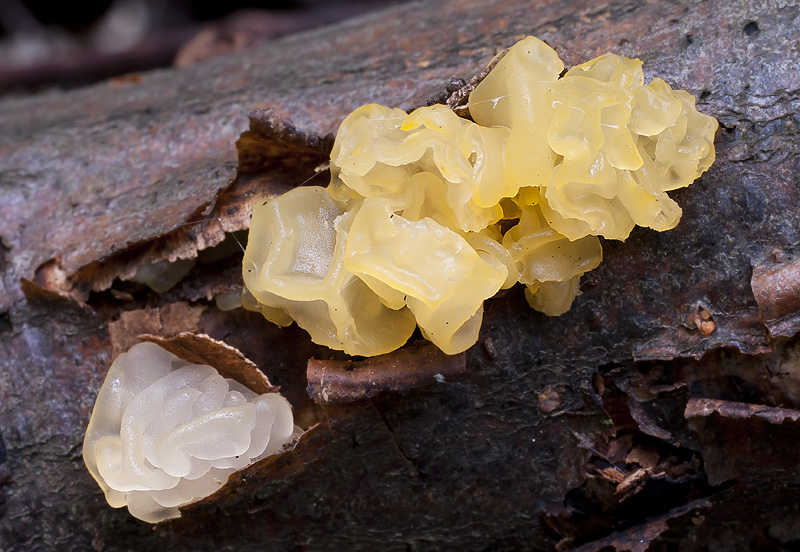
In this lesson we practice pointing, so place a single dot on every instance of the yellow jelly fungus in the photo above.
(544, 255)
(429, 214)
(294, 266)
(514, 95)
(443, 279)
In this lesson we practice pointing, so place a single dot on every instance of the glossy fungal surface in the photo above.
(428, 214)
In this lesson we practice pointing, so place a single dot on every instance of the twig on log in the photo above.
(339, 381)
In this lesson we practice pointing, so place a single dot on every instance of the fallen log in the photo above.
(562, 432)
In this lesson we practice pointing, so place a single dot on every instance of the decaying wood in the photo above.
(419, 364)
(776, 286)
(517, 452)
(697, 407)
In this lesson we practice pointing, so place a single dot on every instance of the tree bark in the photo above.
(660, 412)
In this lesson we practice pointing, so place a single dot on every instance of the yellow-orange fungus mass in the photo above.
(429, 214)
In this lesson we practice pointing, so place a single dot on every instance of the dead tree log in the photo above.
(659, 413)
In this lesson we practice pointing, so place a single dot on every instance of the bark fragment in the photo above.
(698, 407)
(776, 287)
(166, 320)
(341, 381)
(229, 362)
(640, 537)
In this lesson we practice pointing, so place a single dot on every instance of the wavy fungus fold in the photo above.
(165, 432)
(428, 214)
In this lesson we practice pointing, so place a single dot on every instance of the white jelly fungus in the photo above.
(165, 432)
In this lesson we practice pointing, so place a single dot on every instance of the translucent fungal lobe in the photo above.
(165, 432)
(428, 214)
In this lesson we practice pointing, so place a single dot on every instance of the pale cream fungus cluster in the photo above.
(165, 432)
(410, 231)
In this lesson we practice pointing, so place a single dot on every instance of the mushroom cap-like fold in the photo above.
(165, 431)
(295, 262)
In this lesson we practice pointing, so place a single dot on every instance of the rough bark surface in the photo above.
(658, 414)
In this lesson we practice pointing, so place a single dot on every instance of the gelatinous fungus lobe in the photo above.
(297, 272)
(428, 214)
(165, 432)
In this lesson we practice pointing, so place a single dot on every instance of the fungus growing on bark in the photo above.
(165, 432)
(163, 275)
(428, 214)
